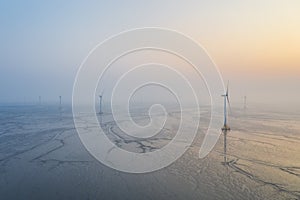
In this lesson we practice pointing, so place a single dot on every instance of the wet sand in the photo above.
(41, 157)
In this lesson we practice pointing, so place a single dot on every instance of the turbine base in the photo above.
(225, 128)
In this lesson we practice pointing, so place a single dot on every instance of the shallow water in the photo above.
(42, 157)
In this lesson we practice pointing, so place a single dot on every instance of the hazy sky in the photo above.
(255, 43)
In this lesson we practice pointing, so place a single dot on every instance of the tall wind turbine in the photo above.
(226, 100)
(225, 127)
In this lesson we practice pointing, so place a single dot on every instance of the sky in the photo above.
(254, 43)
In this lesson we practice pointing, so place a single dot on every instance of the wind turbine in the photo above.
(226, 100)
(100, 103)
(59, 102)
(225, 127)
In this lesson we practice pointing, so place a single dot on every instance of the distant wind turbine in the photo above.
(100, 103)
(59, 102)
(245, 102)
(225, 127)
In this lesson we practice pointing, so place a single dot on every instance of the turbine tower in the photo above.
(225, 127)
(100, 104)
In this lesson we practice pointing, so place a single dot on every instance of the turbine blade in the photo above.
(227, 96)
(228, 103)
(227, 88)
(102, 92)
